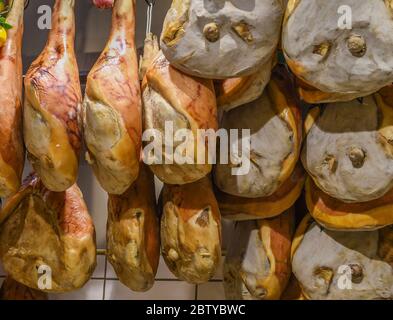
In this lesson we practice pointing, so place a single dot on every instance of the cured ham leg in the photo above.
(112, 112)
(133, 233)
(191, 230)
(12, 152)
(321, 257)
(172, 98)
(42, 231)
(52, 104)
(257, 264)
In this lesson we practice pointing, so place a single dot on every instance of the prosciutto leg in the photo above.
(52, 104)
(112, 112)
(12, 153)
(47, 233)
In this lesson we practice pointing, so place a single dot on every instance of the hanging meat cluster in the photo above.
(47, 235)
(309, 94)
(343, 247)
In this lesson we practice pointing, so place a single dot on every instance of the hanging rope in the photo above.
(149, 15)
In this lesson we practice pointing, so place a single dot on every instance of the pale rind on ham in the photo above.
(221, 39)
(338, 265)
(347, 150)
(326, 52)
(257, 263)
(47, 239)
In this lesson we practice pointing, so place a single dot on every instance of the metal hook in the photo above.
(149, 15)
(150, 2)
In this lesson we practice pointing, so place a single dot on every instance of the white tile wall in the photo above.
(110, 272)
(211, 291)
(163, 272)
(162, 290)
(93, 290)
(99, 272)
(96, 200)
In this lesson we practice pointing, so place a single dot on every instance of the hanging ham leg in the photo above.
(133, 240)
(112, 116)
(11, 143)
(47, 239)
(52, 104)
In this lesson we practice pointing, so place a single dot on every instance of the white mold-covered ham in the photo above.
(221, 38)
(274, 121)
(348, 150)
(337, 265)
(341, 47)
(257, 264)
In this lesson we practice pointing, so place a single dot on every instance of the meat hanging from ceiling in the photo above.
(52, 104)
(12, 153)
(173, 98)
(221, 39)
(50, 234)
(133, 241)
(112, 111)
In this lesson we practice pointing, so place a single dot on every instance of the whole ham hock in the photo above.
(337, 265)
(133, 239)
(339, 49)
(112, 107)
(257, 264)
(275, 116)
(12, 152)
(47, 239)
(221, 39)
(191, 230)
(172, 99)
(351, 159)
(53, 98)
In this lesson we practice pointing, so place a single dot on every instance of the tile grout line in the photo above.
(196, 292)
(103, 289)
